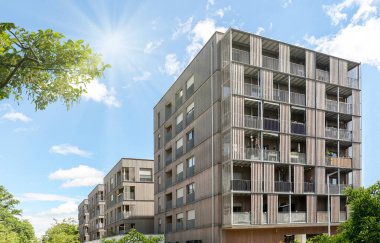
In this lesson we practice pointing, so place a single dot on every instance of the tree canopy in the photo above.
(12, 228)
(45, 67)
(363, 225)
(134, 236)
(62, 232)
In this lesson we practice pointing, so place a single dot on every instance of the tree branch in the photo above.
(6, 81)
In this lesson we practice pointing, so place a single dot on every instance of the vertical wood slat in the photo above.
(310, 93)
(335, 209)
(320, 94)
(298, 179)
(356, 129)
(284, 118)
(272, 208)
(320, 123)
(257, 177)
(237, 78)
(320, 180)
(356, 155)
(266, 78)
(237, 144)
(320, 152)
(255, 54)
(284, 58)
(256, 208)
(284, 148)
(268, 177)
(356, 102)
(310, 151)
(334, 70)
(311, 208)
(310, 64)
(238, 111)
(356, 178)
(343, 72)
(310, 122)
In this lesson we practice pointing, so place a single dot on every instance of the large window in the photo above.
(190, 86)
(189, 140)
(179, 175)
(190, 113)
(190, 166)
(190, 223)
(145, 174)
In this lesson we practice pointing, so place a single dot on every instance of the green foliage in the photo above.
(134, 236)
(12, 228)
(45, 67)
(363, 225)
(62, 232)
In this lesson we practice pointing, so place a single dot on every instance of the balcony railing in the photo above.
(179, 127)
(271, 124)
(353, 82)
(189, 145)
(345, 134)
(240, 56)
(169, 205)
(271, 63)
(168, 159)
(283, 217)
(332, 105)
(179, 202)
(296, 157)
(331, 132)
(179, 177)
(280, 95)
(168, 136)
(252, 90)
(322, 217)
(308, 187)
(252, 121)
(189, 117)
(190, 91)
(345, 108)
(297, 69)
(168, 113)
(168, 182)
(190, 171)
(271, 155)
(252, 153)
(179, 226)
(241, 185)
(297, 98)
(298, 217)
(283, 186)
(322, 75)
(168, 227)
(298, 127)
(338, 161)
(179, 152)
(190, 224)
(190, 197)
(242, 217)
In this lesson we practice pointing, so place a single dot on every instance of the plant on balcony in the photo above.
(134, 236)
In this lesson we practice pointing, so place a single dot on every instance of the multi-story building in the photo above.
(83, 219)
(96, 206)
(129, 197)
(255, 142)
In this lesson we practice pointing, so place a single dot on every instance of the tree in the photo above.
(12, 228)
(134, 236)
(62, 232)
(44, 67)
(363, 225)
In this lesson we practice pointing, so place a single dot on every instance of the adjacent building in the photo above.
(96, 208)
(255, 142)
(83, 219)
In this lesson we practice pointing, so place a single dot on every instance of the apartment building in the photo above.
(96, 206)
(129, 197)
(255, 142)
(83, 219)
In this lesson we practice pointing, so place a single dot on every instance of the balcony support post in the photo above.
(328, 202)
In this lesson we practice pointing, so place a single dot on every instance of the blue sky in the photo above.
(51, 159)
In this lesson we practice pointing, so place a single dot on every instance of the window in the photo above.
(190, 113)
(190, 135)
(159, 141)
(190, 188)
(111, 197)
(179, 118)
(179, 143)
(190, 108)
(159, 180)
(190, 219)
(179, 168)
(180, 193)
(158, 119)
(190, 86)
(179, 221)
(178, 98)
(145, 174)
(191, 162)
(179, 126)
(189, 140)
(190, 214)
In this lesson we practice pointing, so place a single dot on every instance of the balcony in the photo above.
(179, 177)
(298, 217)
(168, 227)
(332, 105)
(298, 127)
(252, 90)
(189, 117)
(353, 82)
(345, 108)
(337, 188)
(179, 202)
(270, 63)
(190, 171)
(308, 187)
(322, 216)
(283, 186)
(169, 205)
(322, 75)
(179, 226)
(338, 161)
(331, 132)
(299, 158)
(271, 124)
(241, 185)
(297, 69)
(189, 145)
(242, 217)
(280, 95)
(190, 224)
(190, 197)
(252, 153)
(297, 98)
(271, 155)
(178, 102)
(240, 56)
(168, 136)
(345, 134)
(179, 152)
(252, 121)
(168, 112)
(168, 159)
(168, 182)
(283, 217)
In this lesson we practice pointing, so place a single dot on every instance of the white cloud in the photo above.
(69, 207)
(358, 40)
(80, 176)
(144, 76)
(68, 149)
(172, 65)
(99, 92)
(24, 129)
(222, 11)
(152, 45)
(43, 197)
(286, 3)
(182, 27)
(16, 116)
(260, 30)
(210, 3)
(270, 26)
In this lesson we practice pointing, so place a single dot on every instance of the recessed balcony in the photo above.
(240, 55)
